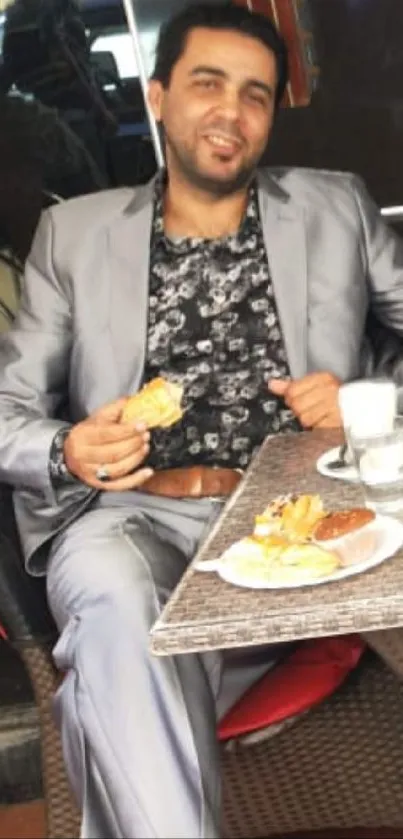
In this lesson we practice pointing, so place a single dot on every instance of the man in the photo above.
(251, 289)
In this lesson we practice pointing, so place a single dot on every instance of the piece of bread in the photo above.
(342, 522)
(157, 404)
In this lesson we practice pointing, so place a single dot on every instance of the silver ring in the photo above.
(102, 473)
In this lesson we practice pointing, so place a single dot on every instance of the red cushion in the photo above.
(3, 633)
(310, 674)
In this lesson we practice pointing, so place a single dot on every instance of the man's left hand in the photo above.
(313, 399)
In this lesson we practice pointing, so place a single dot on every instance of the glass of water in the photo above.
(379, 461)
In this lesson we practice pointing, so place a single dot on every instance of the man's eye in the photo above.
(206, 83)
(260, 100)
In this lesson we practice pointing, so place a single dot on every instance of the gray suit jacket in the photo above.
(80, 336)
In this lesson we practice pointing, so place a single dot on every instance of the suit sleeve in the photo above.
(383, 258)
(34, 364)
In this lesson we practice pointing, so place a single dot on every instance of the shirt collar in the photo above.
(237, 242)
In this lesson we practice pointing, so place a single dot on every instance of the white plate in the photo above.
(390, 538)
(348, 473)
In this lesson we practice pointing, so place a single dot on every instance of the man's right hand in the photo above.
(102, 442)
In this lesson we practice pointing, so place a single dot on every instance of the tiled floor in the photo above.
(27, 821)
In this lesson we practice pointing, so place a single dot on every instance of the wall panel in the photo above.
(292, 19)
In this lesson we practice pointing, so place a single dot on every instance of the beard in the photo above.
(187, 164)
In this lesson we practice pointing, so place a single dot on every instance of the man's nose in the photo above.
(230, 103)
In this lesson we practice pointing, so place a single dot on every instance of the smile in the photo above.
(222, 143)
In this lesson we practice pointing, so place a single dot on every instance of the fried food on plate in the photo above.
(297, 542)
(157, 404)
(296, 517)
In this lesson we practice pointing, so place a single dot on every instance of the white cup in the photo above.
(368, 407)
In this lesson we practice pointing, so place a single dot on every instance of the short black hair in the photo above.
(226, 16)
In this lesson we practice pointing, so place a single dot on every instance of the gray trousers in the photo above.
(138, 731)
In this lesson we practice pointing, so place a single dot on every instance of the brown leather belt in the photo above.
(193, 482)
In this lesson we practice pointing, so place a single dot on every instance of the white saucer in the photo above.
(346, 473)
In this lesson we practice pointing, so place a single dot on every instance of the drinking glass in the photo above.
(379, 461)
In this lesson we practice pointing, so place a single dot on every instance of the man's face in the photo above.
(217, 112)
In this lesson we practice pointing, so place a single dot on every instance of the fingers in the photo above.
(279, 386)
(331, 421)
(124, 461)
(132, 481)
(122, 467)
(293, 388)
(322, 415)
(95, 442)
(308, 403)
(110, 453)
(111, 412)
(125, 471)
(102, 434)
(313, 399)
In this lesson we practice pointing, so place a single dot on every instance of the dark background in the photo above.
(355, 119)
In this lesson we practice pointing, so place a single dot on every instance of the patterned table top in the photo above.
(206, 613)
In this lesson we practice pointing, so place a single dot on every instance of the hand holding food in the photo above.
(157, 404)
(101, 445)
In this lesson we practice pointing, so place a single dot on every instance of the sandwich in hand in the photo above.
(157, 404)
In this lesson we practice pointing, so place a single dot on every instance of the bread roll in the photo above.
(342, 522)
(157, 404)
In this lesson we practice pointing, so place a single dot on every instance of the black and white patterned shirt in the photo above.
(213, 327)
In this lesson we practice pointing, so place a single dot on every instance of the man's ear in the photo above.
(155, 98)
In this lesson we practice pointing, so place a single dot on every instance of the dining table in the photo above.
(206, 613)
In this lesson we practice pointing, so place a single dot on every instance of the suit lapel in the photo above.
(284, 235)
(129, 266)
